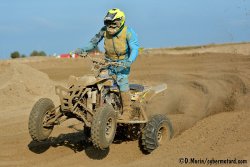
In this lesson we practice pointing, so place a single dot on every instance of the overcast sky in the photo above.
(59, 26)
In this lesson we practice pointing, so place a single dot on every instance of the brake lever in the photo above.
(84, 54)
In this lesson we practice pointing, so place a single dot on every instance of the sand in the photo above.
(207, 101)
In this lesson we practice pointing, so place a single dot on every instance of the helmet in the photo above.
(115, 18)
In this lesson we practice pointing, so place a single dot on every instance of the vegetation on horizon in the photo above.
(16, 54)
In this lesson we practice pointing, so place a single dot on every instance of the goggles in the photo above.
(112, 23)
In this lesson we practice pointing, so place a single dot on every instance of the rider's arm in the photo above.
(133, 44)
(95, 40)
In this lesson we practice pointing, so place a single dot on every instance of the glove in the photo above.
(126, 64)
(79, 51)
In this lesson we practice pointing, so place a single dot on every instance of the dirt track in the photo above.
(207, 100)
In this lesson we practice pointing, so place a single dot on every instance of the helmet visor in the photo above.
(109, 16)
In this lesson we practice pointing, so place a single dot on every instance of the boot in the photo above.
(126, 102)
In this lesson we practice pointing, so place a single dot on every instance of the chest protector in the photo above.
(116, 46)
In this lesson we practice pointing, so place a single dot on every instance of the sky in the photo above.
(60, 26)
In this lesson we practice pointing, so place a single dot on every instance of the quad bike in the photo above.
(96, 102)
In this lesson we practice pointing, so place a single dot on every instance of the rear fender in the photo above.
(148, 94)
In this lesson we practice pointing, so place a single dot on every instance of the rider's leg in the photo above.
(122, 81)
(127, 110)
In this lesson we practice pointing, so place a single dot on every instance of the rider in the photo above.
(121, 45)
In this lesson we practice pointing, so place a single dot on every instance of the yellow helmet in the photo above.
(115, 15)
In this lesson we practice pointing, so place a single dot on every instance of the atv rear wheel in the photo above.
(155, 133)
(103, 127)
(39, 115)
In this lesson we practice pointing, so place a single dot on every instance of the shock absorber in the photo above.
(89, 100)
(93, 96)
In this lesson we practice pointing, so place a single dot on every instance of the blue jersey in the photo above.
(132, 45)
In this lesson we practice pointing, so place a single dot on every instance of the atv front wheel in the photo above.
(103, 127)
(155, 133)
(39, 115)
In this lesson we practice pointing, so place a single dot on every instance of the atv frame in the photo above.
(96, 102)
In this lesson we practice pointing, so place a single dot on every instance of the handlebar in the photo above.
(101, 62)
